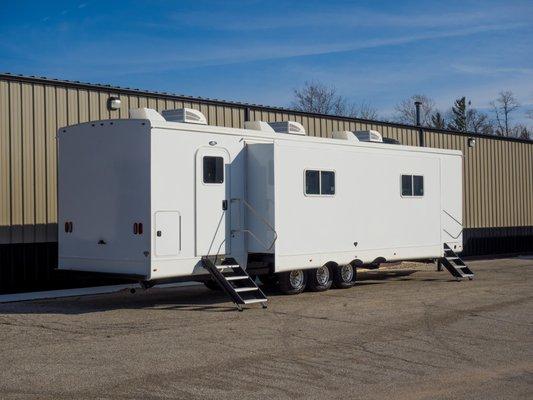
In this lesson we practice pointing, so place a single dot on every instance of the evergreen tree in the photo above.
(459, 120)
(437, 120)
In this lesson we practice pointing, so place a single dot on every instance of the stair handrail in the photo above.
(262, 219)
(459, 223)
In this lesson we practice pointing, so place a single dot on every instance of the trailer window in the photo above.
(312, 182)
(412, 185)
(407, 185)
(213, 169)
(319, 182)
(327, 182)
(418, 185)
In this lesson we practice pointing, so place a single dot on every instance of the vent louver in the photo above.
(292, 127)
(369, 136)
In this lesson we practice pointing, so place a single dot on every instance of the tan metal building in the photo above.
(498, 172)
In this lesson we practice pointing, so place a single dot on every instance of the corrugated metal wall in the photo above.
(498, 174)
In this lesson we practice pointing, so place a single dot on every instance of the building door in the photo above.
(212, 201)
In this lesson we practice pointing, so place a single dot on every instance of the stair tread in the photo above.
(251, 301)
(226, 266)
(246, 289)
(236, 278)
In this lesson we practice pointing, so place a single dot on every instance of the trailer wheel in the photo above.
(344, 276)
(320, 279)
(212, 285)
(292, 282)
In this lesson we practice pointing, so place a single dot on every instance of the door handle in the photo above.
(224, 204)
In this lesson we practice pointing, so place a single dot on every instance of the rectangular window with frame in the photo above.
(319, 182)
(412, 185)
(312, 182)
(327, 182)
(213, 169)
(418, 185)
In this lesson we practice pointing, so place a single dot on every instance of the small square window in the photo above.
(213, 169)
(418, 185)
(312, 182)
(407, 185)
(327, 182)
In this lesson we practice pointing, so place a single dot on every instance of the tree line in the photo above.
(462, 116)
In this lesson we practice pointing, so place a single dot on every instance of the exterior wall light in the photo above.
(113, 103)
(471, 142)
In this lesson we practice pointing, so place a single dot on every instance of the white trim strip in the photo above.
(56, 294)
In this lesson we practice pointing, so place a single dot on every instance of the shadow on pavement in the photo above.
(195, 298)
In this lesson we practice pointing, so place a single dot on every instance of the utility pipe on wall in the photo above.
(420, 130)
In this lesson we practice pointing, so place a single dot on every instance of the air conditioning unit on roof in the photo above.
(188, 115)
(258, 126)
(369, 136)
(292, 127)
(344, 135)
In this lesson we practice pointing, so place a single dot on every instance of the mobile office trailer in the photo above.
(153, 199)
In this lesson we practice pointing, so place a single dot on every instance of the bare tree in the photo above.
(522, 132)
(316, 97)
(478, 122)
(406, 111)
(503, 107)
(363, 110)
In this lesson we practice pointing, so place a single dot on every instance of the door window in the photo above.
(213, 169)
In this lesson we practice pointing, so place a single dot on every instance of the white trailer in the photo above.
(154, 199)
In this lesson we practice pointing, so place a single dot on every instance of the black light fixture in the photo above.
(471, 142)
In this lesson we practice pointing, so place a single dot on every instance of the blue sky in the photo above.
(259, 51)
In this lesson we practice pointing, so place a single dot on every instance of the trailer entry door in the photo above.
(212, 201)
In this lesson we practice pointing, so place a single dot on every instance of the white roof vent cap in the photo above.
(146, 113)
(188, 115)
(292, 127)
(258, 126)
(369, 136)
(344, 135)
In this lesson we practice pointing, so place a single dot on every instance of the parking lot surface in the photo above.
(401, 333)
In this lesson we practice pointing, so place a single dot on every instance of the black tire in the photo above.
(320, 279)
(342, 278)
(292, 282)
(212, 285)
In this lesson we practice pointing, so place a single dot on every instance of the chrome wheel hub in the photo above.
(322, 275)
(347, 273)
(296, 278)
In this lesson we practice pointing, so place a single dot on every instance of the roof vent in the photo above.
(258, 126)
(188, 115)
(292, 127)
(344, 135)
(368, 136)
(146, 113)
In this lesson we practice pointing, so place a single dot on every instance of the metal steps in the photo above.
(455, 265)
(236, 282)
